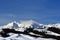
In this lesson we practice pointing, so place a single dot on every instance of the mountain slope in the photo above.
(30, 30)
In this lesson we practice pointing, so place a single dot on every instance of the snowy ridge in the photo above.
(30, 30)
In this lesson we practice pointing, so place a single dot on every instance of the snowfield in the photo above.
(23, 37)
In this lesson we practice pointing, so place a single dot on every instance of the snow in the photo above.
(52, 33)
(21, 26)
(23, 37)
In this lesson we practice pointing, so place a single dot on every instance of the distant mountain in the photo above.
(22, 25)
(12, 25)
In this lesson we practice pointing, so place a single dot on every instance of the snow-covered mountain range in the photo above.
(40, 31)
(22, 25)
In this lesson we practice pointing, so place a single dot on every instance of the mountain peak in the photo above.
(29, 23)
(11, 25)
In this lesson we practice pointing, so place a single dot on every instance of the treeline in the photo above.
(5, 32)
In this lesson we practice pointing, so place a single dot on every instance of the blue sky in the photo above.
(42, 11)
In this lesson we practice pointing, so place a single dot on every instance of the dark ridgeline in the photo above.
(53, 29)
(44, 35)
(5, 32)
